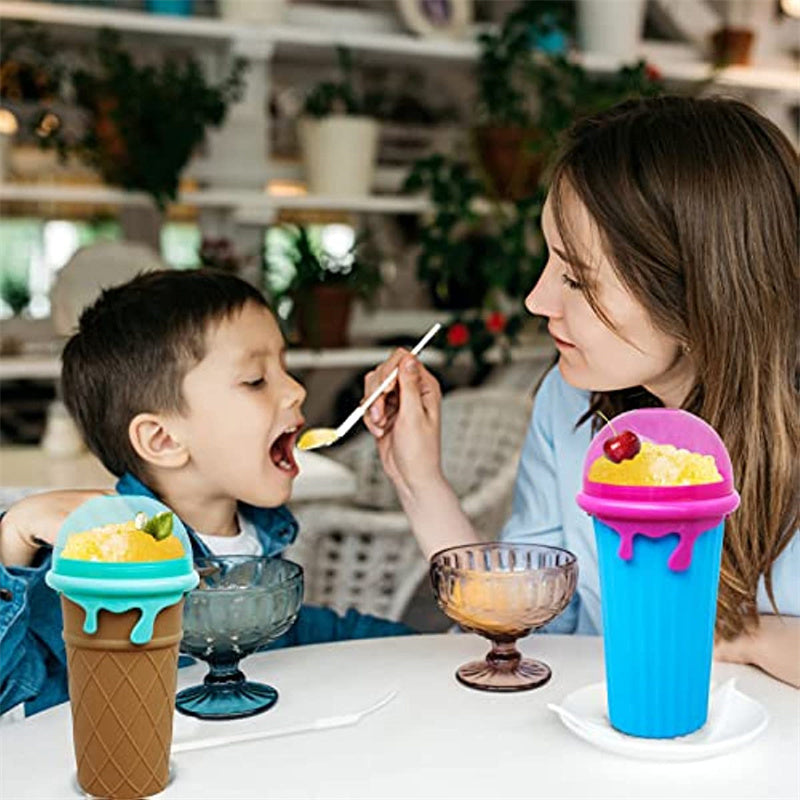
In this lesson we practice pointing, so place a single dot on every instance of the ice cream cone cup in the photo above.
(122, 697)
(123, 624)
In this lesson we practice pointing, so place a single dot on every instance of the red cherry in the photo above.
(623, 446)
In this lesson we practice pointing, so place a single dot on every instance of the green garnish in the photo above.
(159, 526)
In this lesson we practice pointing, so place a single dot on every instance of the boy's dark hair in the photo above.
(134, 346)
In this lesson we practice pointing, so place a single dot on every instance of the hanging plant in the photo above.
(145, 122)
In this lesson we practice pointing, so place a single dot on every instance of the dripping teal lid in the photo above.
(149, 586)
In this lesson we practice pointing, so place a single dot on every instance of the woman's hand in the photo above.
(406, 423)
(773, 646)
(34, 522)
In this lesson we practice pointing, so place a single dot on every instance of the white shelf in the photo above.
(49, 367)
(250, 207)
(401, 45)
(212, 28)
(771, 79)
(256, 211)
(92, 18)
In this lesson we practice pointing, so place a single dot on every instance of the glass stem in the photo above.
(504, 656)
(225, 672)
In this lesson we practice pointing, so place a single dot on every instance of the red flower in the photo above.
(496, 322)
(653, 73)
(457, 334)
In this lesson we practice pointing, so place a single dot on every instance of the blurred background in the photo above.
(372, 165)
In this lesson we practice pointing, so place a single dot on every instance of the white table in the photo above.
(437, 739)
(320, 478)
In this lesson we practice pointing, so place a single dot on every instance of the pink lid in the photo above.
(663, 426)
(657, 511)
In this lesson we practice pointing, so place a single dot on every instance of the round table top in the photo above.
(436, 739)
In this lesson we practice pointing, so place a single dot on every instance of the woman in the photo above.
(672, 279)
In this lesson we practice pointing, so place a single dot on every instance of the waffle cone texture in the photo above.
(122, 697)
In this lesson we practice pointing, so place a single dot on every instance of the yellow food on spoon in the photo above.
(121, 542)
(657, 465)
(317, 437)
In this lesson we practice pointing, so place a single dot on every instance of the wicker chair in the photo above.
(364, 555)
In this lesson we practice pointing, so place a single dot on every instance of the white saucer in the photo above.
(733, 720)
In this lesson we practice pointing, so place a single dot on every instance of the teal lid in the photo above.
(149, 586)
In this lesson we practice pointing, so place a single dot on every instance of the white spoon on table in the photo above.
(324, 437)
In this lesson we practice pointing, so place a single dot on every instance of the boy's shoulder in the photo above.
(276, 527)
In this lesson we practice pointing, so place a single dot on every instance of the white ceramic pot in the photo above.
(266, 12)
(611, 27)
(339, 154)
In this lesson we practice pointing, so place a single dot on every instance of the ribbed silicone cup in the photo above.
(659, 551)
(658, 632)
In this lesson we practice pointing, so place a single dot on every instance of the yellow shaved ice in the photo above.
(493, 603)
(121, 542)
(657, 465)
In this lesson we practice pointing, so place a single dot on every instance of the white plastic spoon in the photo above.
(322, 724)
(324, 437)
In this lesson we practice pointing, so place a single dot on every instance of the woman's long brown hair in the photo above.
(696, 202)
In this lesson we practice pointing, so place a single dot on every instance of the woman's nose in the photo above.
(544, 299)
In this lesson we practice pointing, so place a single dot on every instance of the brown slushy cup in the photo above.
(122, 631)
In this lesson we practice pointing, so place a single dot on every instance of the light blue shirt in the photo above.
(545, 512)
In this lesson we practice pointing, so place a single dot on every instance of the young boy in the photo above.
(178, 384)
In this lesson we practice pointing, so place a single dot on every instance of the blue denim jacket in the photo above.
(33, 663)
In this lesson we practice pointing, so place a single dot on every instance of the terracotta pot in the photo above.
(323, 316)
(113, 152)
(732, 46)
(511, 164)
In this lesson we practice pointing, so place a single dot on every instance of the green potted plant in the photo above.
(338, 138)
(145, 122)
(16, 294)
(507, 140)
(321, 287)
(465, 257)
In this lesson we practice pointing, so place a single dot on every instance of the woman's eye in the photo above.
(570, 283)
(255, 384)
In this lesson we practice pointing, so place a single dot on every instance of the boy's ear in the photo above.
(155, 443)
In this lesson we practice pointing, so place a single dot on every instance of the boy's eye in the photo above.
(255, 384)
(571, 283)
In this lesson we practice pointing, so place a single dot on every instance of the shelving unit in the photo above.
(249, 207)
(205, 30)
(253, 207)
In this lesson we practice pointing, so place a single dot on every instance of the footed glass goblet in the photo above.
(241, 604)
(503, 591)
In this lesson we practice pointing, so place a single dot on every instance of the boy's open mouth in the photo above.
(282, 450)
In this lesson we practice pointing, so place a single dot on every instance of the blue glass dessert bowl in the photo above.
(241, 604)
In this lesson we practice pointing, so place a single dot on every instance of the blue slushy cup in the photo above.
(659, 550)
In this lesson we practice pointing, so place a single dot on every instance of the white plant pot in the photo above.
(339, 154)
(265, 12)
(611, 27)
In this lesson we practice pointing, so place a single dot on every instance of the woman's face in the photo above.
(592, 355)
